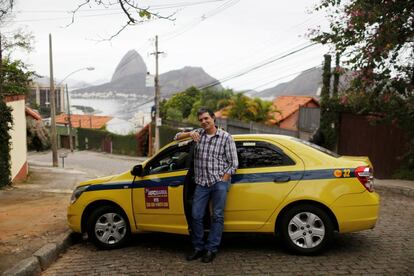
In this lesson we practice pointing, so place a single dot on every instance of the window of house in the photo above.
(261, 154)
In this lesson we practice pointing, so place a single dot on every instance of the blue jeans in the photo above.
(217, 193)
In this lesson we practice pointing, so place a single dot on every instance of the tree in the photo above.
(6, 123)
(183, 101)
(14, 79)
(247, 109)
(5, 8)
(376, 37)
(211, 98)
(133, 11)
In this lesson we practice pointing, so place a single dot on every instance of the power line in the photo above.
(246, 71)
(229, 3)
(283, 77)
(226, 5)
(152, 8)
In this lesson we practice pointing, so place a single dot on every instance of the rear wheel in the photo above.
(306, 229)
(108, 227)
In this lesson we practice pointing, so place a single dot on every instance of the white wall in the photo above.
(18, 151)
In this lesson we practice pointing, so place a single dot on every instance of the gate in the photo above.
(383, 144)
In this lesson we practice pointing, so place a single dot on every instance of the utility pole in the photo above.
(157, 98)
(1, 69)
(69, 120)
(53, 137)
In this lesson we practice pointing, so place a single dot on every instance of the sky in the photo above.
(227, 38)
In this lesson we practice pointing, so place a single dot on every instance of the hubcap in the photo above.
(306, 230)
(110, 228)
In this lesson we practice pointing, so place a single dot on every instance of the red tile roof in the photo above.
(84, 121)
(30, 112)
(287, 105)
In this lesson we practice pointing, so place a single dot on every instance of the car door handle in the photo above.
(175, 183)
(282, 178)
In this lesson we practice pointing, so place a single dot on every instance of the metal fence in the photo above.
(239, 127)
(309, 118)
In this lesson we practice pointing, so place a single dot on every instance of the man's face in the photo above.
(206, 122)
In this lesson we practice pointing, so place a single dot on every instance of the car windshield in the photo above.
(319, 148)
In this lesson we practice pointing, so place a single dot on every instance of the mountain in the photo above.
(130, 74)
(307, 83)
(178, 80)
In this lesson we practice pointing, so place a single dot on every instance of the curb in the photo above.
(43, 257)
(396, 189)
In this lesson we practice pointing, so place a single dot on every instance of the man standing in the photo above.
(215, 161)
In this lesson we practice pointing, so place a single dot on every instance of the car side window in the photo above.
(261, 154)
(173, 159)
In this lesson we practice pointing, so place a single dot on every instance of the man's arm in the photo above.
(231, 154)
(195, 135)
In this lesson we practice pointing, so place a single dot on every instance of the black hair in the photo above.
(203, 110)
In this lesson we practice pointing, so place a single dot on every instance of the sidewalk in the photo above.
(405, 187)
(33, 213)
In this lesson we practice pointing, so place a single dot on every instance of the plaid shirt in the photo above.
(214, 157)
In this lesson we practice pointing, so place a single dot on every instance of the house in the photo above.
(288, 108)
(18, 149)
(77, 121)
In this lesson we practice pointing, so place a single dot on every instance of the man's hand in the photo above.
(195, 136)
(226, 177)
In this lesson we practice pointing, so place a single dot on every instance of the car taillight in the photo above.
(366, 177)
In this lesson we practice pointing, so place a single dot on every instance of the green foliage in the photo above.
(14, 80)
(92, 139)
(247, 109)
(184, 105)
(375, 37)
(180, 103)
(174, 114)
(17, 39)
(16, 77)
(6, 122)
(329, 113)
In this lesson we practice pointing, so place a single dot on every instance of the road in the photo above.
(94, 164)
(386, 250)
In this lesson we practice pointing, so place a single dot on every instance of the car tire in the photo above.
(108, 227)
(306, 229)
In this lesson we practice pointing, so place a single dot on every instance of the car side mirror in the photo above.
(137, 170)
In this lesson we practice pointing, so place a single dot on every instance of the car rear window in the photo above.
(319, 148)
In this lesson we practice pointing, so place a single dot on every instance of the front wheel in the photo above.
(306, 229)
(108, 227)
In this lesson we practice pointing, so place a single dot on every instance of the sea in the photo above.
(133, 114)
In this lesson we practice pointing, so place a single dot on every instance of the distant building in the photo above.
(288, 107)
(77, 121)
(39, 97)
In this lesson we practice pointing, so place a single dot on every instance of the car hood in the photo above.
(99, 180)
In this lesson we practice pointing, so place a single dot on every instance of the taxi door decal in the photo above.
(156, 197)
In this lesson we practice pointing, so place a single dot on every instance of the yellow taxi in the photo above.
(286, 186)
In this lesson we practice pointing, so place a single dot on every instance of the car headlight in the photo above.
(77, 193)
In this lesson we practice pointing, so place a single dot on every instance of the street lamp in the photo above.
(89, 68)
